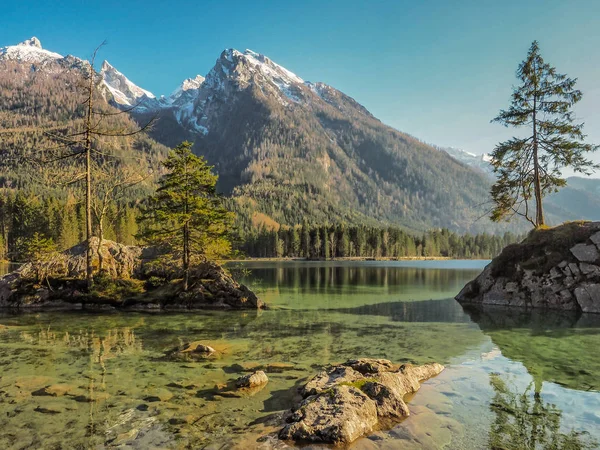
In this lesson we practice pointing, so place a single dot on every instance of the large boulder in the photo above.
(211, 286)
(555, 268)
(350, 400)
(119, 261)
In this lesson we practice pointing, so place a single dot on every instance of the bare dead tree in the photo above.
(84, 142)
(112, 181)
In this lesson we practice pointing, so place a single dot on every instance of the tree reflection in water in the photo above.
(523, 421)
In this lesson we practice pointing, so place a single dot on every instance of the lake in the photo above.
(513, 379)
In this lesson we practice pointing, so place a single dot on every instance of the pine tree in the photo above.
(530, 167)
(38, 250)
(305, 240)
(295, 242)
(185, 216)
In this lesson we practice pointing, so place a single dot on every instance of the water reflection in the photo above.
(446, 310)
(524, 421)
(558, 347)
(321, 279)
(326, 285)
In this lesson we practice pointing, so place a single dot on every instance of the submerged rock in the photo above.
(196, 351)
(197, 347)
(275, 367)
(129, 280)
(556, 268)
(54, 408)
(252, 380)
(55, 390)
(350, 400)
(159, 396)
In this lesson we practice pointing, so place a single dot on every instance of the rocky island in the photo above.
(128, 280)
(553, 268)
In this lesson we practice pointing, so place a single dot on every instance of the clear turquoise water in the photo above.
(513, 379)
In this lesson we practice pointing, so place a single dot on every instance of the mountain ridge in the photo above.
(290, 150)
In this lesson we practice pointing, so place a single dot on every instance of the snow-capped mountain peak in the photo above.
(236, 70)
(29, 51)
(124, 92)
(33, 42)
(192, 83)
(271, 69)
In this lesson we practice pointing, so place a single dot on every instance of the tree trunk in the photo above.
(539, 213)
(186, 235)
(99, 249)
(186, 257)
(88, 182)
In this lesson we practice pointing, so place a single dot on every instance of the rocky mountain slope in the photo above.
(288, 150)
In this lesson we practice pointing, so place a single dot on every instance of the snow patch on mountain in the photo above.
(124, 92)
(185, 116)
(271, 69)
(29, 51)
(481, 162)
(188, 84)
(286, 81)
(186, 91)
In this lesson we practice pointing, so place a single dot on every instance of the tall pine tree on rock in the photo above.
(185, 217)
(530, 167)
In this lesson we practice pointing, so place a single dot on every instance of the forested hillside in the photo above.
(39, 189)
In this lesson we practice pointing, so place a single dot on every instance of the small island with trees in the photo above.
(553, 268)
(186, 229)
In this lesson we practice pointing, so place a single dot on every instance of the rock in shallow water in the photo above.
(348, 401)
(252, 380)
(197, 347)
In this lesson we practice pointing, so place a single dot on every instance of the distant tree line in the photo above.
(23, 214)
(336, 241)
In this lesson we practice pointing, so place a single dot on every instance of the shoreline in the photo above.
(346, 258)
(355, 258)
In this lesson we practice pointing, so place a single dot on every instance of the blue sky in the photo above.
(439, 70)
